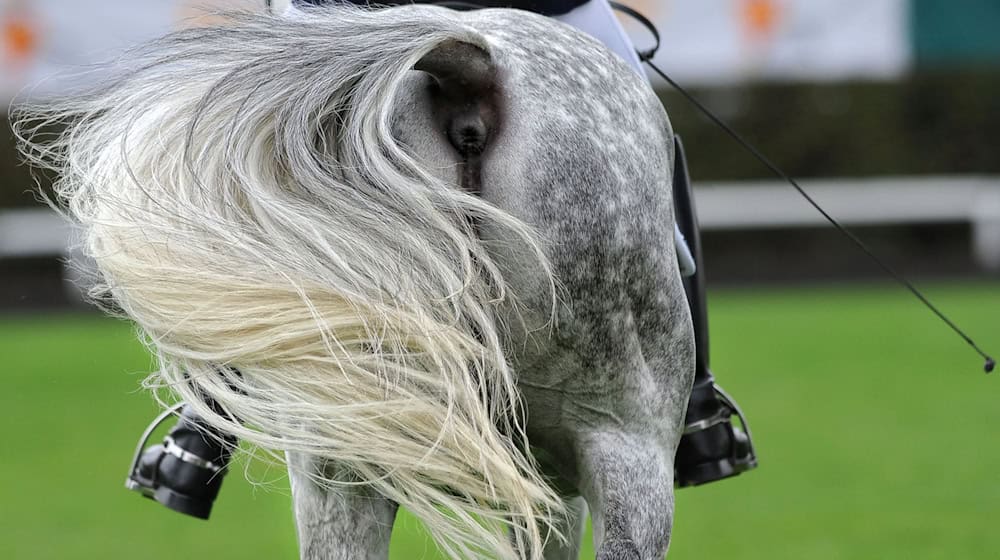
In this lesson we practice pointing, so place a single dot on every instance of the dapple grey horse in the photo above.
(584, 155)
(356, 231)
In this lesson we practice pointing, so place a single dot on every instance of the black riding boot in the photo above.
(712, 448)
(185, 472)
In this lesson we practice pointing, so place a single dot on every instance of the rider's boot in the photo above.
(185, 472)
(712, 448)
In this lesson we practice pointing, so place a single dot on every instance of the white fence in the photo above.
(721, 206)
(861, 202)
(33, 232)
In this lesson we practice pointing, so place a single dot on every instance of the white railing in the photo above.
(33, 232)
(861, 202)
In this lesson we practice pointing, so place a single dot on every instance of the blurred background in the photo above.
(874, 424)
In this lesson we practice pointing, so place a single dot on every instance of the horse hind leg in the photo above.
(628, 483)
(349, 522)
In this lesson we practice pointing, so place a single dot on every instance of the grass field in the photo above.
(876, 428)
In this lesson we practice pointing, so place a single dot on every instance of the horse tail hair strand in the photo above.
(287, 259)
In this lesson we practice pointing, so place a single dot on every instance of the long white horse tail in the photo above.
(289, 261)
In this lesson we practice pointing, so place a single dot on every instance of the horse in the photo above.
(426, 254)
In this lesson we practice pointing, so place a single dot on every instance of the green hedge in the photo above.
(940, 123)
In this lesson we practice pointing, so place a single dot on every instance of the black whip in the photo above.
(647, 57)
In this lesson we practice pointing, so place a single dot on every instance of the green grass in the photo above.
(875, 426)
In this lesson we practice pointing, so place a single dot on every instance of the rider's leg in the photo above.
(712, 448)
(597, 19)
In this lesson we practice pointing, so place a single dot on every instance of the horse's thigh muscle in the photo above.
(343, 523)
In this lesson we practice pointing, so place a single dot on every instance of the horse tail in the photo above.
(305, 282)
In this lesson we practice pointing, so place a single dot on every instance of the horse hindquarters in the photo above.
(584, 154)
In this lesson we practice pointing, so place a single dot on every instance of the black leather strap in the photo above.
(647, 54)
(544, 7)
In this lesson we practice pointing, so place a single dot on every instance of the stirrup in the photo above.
(185, 472)
(713, 448)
